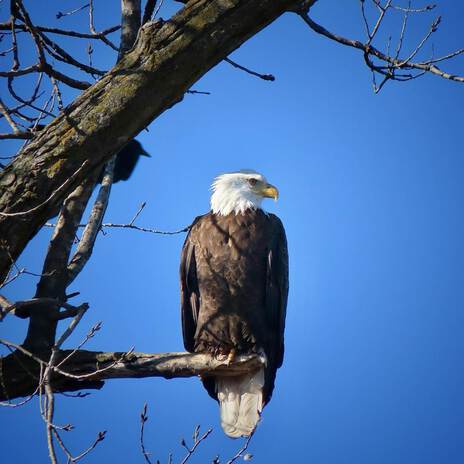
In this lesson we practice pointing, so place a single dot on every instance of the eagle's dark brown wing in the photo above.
(189, 292)
(277, 289)
(276, 303)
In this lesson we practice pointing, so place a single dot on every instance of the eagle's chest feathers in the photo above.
(231, 258)
(236, 242)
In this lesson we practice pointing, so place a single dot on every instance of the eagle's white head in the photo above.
(236, 192)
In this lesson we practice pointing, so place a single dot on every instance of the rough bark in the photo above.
(166, 60)
(54, 280)
(19, 373)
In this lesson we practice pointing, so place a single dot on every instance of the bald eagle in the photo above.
(234, 287)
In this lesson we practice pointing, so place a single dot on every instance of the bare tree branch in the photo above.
(239, 454)
(129, 225)
(87, 369)
(149, 12)
(144, 229)
(103, 37)
(60, 54)
(197, 439)
(17, 136)
(53, 30)
(391, 64)
(60, 14)
(143, 420)
(6, 115)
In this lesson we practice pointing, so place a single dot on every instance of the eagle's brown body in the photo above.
(234, 285)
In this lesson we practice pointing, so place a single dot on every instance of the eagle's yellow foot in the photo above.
(221, 357)
(231, 356)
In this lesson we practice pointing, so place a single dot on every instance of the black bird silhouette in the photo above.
(126, 160)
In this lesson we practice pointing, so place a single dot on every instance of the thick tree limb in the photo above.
(131, 14)
(54, 281)
(164, 63)
(88, 369)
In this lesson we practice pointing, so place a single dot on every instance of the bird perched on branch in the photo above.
(125, 162)
(234, 286)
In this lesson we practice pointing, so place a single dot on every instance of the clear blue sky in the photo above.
(371, 199)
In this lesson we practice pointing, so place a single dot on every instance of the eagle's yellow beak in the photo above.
(269, 191)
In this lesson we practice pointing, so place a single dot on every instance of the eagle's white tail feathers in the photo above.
(241, 402)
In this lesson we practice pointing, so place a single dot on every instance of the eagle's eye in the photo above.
(252, 182)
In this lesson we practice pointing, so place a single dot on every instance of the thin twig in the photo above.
(150, 13)
(100, 437)
(23, 402)
(196, 442)
(70, 329)
(28, 103)
(240, 452)
(49, 408)
(14, 42)
(103, 38)
(134, 227)
(18, 273)
(146, 229)
(402, 33)
(57, 91)
(383, 11)
(369, 50)
(6, 113)
(265, 77)
(60, 14)
(143, 419)
(93, 330)
(61, 55)
(433, 28)
(363, 13)
(415, 10)
(54, 30)
(138, 213)
(198, 92)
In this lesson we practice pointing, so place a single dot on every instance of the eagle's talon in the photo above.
(231, 357)
(263, 357)
(221, 357)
